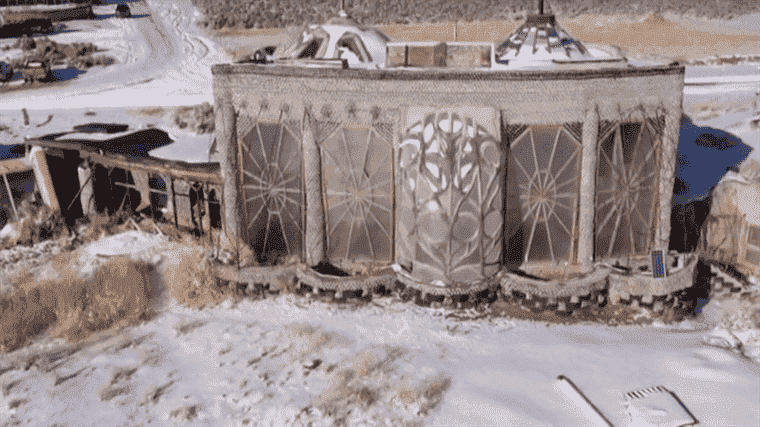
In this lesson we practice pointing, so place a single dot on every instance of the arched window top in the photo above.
(350, 44)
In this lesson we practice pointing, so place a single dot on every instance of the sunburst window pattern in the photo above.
(358, 182)
(272, 182)
(626, 188)
(543, 189)
(451, 199)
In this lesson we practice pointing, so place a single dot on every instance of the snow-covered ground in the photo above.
(162, 59)
(292, 361)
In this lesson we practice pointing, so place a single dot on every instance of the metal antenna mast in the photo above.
(342, 11)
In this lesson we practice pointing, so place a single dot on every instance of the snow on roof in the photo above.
(541, 40)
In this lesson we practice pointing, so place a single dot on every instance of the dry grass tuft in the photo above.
(740, 313)
(37, 223)
(99, 225)
(432, 391)
(405, 392)
(199, 118)
(152, 111)
(428, 394)
(308, 340)
(73, 308)
(193, 283)
(363, 383)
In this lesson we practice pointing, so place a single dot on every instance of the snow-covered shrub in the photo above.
(193, 283)
(25, 43)
(740, 314)
(199, 118)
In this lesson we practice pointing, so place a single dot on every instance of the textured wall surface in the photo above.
(527, 98)
(352, 114)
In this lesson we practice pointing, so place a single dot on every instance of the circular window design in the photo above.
(451, 198)
(543, 188)
(626, 190)
(358, 181)
(272, 182)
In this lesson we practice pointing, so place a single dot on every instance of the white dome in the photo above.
(542, 41)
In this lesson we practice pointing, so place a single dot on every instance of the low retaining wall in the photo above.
(602, 281)
(623, 286)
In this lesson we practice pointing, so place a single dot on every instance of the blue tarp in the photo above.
(705, 154)
(11, 151)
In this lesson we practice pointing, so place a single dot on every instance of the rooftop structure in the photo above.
(453, 165)
(540, 43)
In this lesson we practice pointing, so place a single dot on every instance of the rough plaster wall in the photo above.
(259, 94)
(525, 101)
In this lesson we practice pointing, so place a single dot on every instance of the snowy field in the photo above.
(291, 361)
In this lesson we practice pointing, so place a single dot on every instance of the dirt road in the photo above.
(163, 61)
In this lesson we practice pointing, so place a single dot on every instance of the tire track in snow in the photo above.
(163, 47)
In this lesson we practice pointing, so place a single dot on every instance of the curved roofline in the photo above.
(445, 74)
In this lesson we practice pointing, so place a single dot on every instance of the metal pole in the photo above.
(10, 196)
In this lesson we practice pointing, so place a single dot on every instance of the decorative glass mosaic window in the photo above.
(542, 187)
(272, 184)
(626, 189)
(451, 203)
(358, 183)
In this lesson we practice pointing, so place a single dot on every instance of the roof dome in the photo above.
(541, 39)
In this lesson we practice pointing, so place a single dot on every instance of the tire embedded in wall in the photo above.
(564, 298)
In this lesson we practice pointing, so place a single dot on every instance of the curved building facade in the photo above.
(449, 176)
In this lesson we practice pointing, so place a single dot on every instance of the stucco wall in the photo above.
(309, 95)
(526, 98)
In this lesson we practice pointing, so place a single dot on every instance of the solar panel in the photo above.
(658, 264)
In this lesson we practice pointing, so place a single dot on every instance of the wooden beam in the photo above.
(15, 165)
(87, 193)
(44, 180)
(154, 168)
